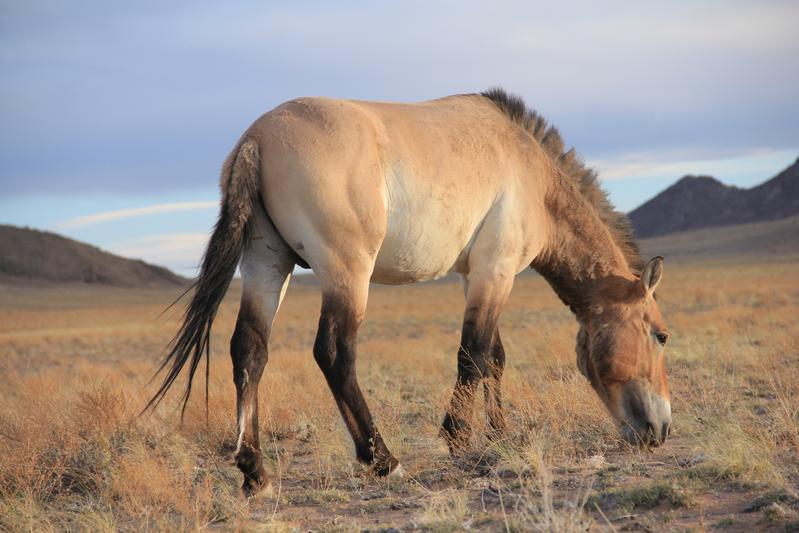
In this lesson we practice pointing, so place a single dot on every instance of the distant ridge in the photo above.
(761, 240)
(31, 256)
(697, 202)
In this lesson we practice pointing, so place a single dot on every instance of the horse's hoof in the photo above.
(389, 467)
(254, 491)
(458, 441)
(398, 472)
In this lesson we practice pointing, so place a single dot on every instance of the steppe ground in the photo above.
(75, 362)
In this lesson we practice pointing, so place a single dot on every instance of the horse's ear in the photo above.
(651, 276)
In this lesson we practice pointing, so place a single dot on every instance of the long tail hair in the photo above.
(231, 233)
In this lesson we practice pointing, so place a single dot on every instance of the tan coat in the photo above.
(391, 187)
(397, 193)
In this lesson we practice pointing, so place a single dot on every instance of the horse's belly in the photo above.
(408, 258)
(431, 221)
(422, 244)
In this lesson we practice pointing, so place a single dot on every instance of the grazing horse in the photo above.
(392, 193)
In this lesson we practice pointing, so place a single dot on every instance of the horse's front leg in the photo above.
(485, 297)
(492, 387)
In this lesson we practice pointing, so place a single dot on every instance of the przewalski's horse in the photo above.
(396, 193)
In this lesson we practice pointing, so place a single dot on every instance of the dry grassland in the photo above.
(74, 364)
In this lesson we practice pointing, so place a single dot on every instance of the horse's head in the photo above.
(621, 348)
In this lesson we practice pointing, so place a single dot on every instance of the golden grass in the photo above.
(75, 455)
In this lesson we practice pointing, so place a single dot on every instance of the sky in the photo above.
(115, 117)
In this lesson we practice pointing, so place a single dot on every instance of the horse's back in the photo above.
(403, 186)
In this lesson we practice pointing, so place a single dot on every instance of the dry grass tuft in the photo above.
(75, 455)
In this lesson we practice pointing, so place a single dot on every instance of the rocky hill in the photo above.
(31, 256)
(697, 202)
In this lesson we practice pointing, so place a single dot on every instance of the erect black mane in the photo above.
(571, 165)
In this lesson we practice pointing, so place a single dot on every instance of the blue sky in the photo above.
(115, 118)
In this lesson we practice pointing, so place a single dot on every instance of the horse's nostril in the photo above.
(651, 435)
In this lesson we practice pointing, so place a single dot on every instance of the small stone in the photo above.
(698, 459)
(596, 461)
(373, 496)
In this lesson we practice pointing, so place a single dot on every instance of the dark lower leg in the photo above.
(493, 391)
(370, 449)
(335, 352)
(472, 367)
(249, 353)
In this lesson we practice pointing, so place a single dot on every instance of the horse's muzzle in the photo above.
(647, 420)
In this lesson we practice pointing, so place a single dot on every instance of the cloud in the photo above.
(107, 216)
(165, 89)
(180, 252)
(648, 165)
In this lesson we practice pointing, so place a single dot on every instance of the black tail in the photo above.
(231, 233)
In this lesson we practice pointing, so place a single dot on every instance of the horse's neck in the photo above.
(581, 251)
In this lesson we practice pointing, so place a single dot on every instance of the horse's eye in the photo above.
(662, 338)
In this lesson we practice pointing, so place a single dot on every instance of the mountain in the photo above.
(30, 256)
(772, 239)
(696, 202)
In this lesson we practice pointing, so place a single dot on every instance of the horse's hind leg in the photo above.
(265, 271)
(335, 349)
